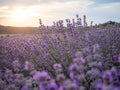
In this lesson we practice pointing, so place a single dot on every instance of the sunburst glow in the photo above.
(19, 15)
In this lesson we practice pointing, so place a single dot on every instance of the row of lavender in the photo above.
(68, 24)
(77, 60)
(83, 75)
(72, 24)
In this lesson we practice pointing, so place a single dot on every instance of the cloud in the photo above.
(4, 11)
(34, 2)
(50, 10)
(104, 12)
(55, 7)
(3, 7)
(60, 10)
(110, 7)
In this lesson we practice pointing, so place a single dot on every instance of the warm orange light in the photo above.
(19, 15)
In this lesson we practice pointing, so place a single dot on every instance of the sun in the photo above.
(22, 16)
(19, 15)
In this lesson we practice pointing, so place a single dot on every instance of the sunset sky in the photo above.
(27, 12)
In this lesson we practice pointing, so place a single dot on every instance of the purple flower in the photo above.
(24, 88)
(52, 86)
(28, 66)
(119, 58)
(41, 76)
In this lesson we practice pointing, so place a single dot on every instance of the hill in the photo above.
(16, 30)
(110, 23)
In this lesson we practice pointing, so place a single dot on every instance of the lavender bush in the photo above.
(76, 57)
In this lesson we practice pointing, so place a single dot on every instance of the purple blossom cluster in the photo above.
(82, 75)
(76, 59)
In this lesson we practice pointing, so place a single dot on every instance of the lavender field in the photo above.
(71, 57)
